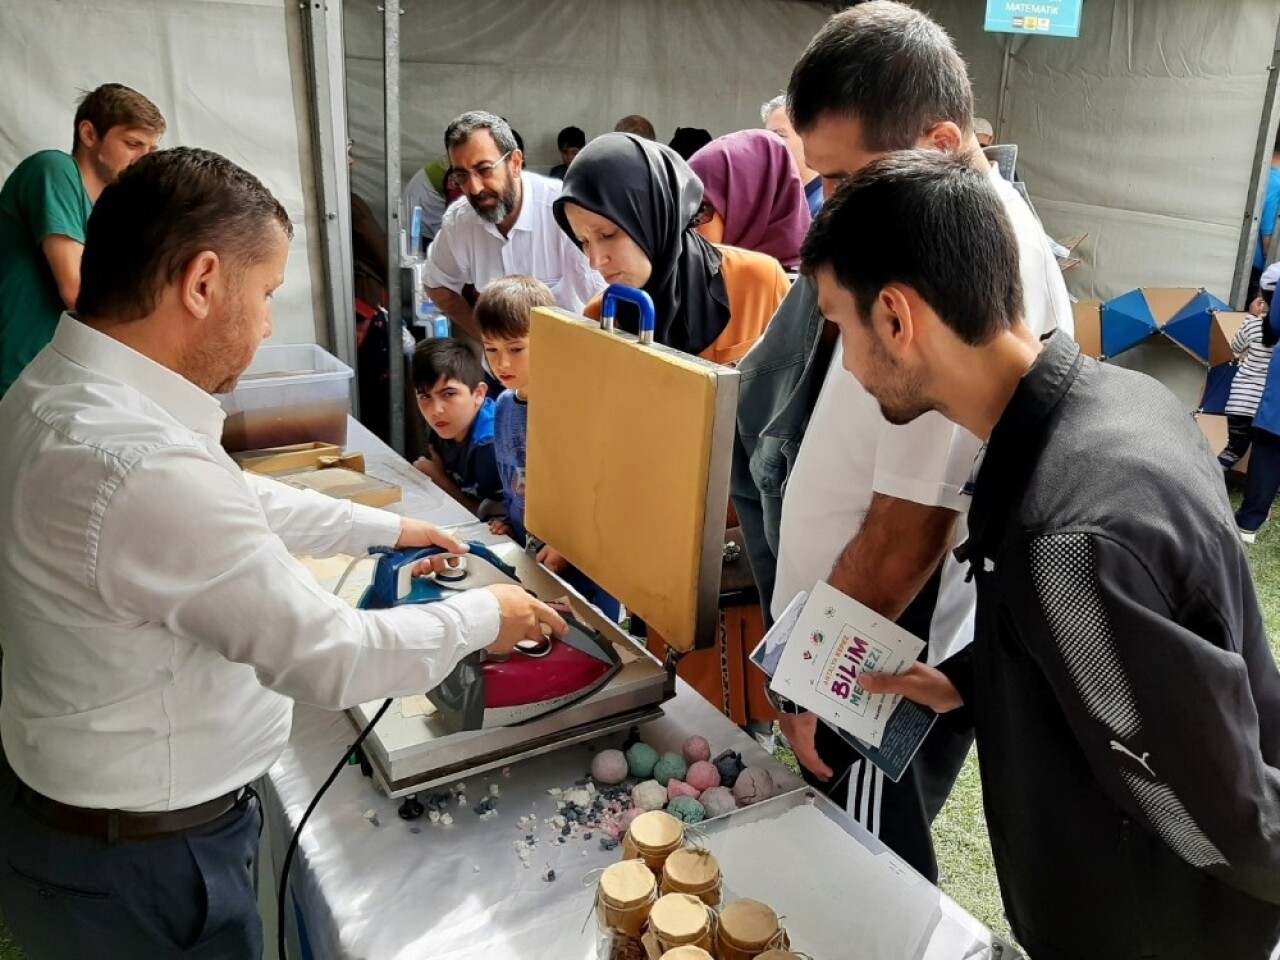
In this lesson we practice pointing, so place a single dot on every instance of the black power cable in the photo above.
(283, 892)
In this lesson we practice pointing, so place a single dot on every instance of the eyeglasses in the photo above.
(483, 172)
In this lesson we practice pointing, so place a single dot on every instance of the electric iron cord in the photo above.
(283, 891)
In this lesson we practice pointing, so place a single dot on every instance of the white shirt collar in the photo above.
(175, 394)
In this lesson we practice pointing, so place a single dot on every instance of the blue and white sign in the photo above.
(1049, 18)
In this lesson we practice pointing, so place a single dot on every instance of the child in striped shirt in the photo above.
(1253, 346)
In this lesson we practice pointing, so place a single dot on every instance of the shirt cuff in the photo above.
(930, 493)
(371, 527)
(482, 615)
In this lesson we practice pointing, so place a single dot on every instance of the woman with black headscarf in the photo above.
(631, 205)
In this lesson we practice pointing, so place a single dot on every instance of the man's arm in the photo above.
(1166, 712)
(892, 556)
(63, 254)
(455, 307)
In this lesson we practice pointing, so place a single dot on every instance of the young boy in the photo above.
(449, 381)
(1253, 347)
(502, 313)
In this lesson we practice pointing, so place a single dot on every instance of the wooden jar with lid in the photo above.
(680, 919)
(779, 955)
(687, 953)
(693, 871)
(652, 837)
(626, 895)
(747, 929)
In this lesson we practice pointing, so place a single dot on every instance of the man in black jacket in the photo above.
(1126, 703)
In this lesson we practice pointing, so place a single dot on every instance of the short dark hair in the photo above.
(165, 209)
(636, 124)
(886, 65)
(115, 105)
(461, 128)
(446, 359)
(939, 227)
(502, 311)
(571, 137)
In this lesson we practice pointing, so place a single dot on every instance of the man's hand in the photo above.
(921, 684)
(552, 560)
(800, 730)
(500, 528)
(433, 468)
(419, 533)
(524, 617)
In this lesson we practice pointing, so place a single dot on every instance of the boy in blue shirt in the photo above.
(449, 381)
(502, 313)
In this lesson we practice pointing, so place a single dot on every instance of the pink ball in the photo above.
(678, 788)
(696, 748)
(754, 784)
(703, 775)
(609, 766)
(718, 801)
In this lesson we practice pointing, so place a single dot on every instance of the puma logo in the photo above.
(1121, 748)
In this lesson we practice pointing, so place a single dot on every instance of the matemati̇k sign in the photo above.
(1058, 18)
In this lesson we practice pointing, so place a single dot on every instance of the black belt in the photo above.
(124, 825)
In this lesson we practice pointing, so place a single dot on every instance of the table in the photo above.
(410, 890)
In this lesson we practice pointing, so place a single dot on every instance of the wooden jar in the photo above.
(694, 872)
(747, 929)
(652, 837)
(627, 893)
(678, 920)
(687, 953)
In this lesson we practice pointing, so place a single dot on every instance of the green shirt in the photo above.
(44, 196)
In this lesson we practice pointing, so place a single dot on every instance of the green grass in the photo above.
(960, 832)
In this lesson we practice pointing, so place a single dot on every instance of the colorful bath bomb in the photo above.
(640, 760)
(678, 788)
(687, 810)
(670, 766)
(649, 795)
(718, 801)
(754, 784)
(696, 748)
(703, 776)
(730, 765)
(609, 766)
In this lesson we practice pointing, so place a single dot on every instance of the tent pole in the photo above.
(391, 14)
(1004, 87)
(322, 30)
(1257, 181)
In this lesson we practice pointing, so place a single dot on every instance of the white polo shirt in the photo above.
(154, 622)
(471, 250)
(850, 452)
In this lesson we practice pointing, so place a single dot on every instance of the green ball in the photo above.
(687, 810)
(670, 767)
(641, 759)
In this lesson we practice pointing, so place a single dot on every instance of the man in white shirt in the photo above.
(506, 226)
(882, 77)
(156, 627)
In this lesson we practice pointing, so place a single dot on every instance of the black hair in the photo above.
(571, 137)
(461, 128)
(933, 222)
(165, 209)
(503, 309)
(886, 65)
(446, 359)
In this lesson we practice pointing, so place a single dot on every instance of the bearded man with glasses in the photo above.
(506, 226)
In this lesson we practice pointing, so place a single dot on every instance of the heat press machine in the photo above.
(629, 448)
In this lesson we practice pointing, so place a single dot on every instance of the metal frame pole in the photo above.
(1257, 180)
(391, 13)
(326, 77)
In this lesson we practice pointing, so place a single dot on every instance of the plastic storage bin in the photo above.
(291, 393)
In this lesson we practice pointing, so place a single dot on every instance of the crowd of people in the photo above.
(916, 426)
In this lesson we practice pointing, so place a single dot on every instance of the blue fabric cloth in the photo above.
(509, 445)
(1268, 415)
(1270, 210)
(470, 462)
(813, 195)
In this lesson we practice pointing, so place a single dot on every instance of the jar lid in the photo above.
(778, 955)
(687, 952)
(678, 917)
(748, 923)
(692, 869)
(656, 830)
(627, 884)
